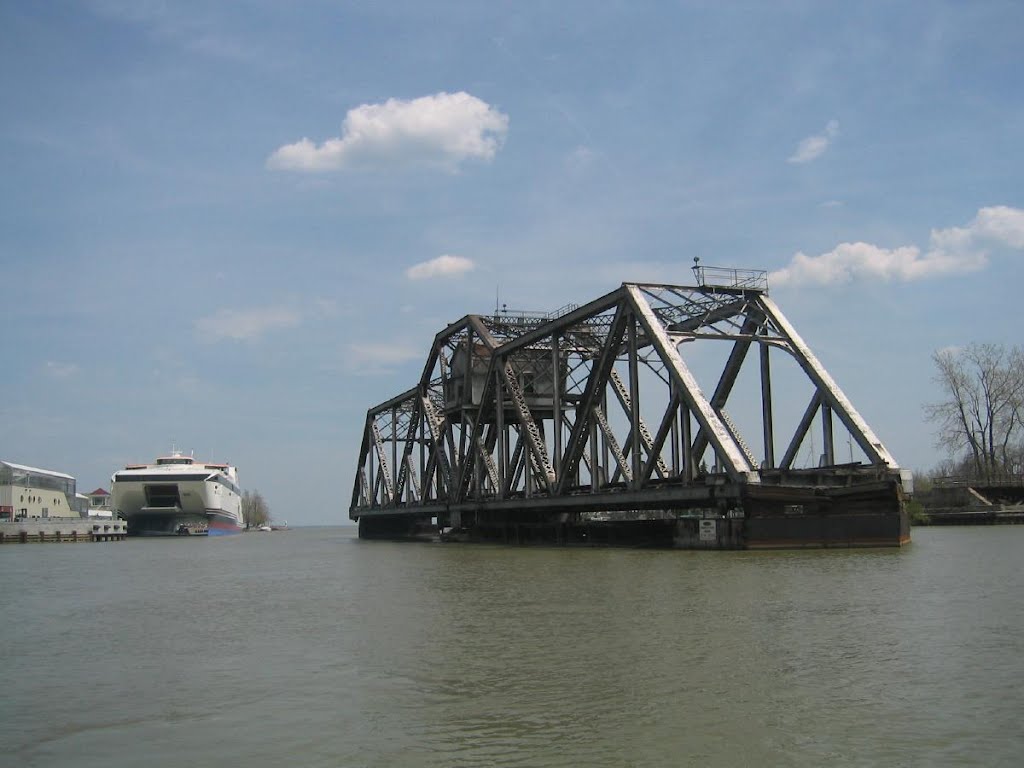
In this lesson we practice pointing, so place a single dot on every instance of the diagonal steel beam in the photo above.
(407, 473)
(730, 372)
(596, 383)
(613, 445)
(626, 401)
(535, 444)
(364, 452)
(832, 394)
(384, 464)
(712, 316)
(515, 467)
(414, 485)
(654, 460)
(736, 464)
(364, 487)
(437, 427)
(801, 430)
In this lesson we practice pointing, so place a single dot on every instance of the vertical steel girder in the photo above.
(517, 407)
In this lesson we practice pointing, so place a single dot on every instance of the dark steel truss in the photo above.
(523, 411)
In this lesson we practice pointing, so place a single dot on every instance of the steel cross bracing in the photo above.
(517, 411)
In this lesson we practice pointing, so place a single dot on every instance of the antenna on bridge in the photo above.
(696, 269)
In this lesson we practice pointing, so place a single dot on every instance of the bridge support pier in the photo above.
(395, 527)
(756, 517)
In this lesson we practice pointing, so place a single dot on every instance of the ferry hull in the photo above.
(171, 522)
(178, 523)
(221, 525)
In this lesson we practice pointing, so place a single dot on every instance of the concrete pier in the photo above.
(827, 518)
(68, 529)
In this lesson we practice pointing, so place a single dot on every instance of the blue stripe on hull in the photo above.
(218, 525)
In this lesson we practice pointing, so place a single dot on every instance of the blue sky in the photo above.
(235, 226)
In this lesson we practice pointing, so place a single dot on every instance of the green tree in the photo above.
(255, 511)
(982, 414)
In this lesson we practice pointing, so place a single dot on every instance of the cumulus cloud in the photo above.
(439, 131)
(442, 266)
(61, 370)
(580, 159)
(954, 250)
(813, 147)
(380, 358)
(1001, 224)
(244, 324)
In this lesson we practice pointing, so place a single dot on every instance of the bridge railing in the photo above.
(731, 277)
(958, 481)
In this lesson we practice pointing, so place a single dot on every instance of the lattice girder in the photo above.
(516, 407)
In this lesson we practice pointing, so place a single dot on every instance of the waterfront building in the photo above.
(97, 504)
(28, 493)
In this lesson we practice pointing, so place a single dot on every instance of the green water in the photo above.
(311, 648)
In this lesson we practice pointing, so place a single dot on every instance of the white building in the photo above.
(28, 493)
(97, 504)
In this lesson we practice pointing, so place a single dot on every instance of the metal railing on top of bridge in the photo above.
(530, 317)
(730, 277)
(956, 481)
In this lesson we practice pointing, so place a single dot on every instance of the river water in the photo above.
(312, 648)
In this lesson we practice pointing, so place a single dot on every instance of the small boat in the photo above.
(265, 528)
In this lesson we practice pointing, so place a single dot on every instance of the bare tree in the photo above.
(982, 414)
(255, 511)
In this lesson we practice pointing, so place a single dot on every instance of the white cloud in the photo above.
(860, 261)
(951, 251)
(325, 307)
(1001, 224)
(61, 370)
(380, 358)
(442, 266)
(813, 147)
(580, 159)
(244, 324)
(439, 131)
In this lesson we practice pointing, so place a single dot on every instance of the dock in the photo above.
(69, 529)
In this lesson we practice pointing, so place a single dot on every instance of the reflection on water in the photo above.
(312, 648)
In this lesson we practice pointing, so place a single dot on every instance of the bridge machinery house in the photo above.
(28, 493)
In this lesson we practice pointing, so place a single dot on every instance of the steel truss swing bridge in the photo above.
(588, 425)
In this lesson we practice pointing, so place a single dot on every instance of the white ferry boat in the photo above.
(178, 495)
